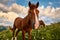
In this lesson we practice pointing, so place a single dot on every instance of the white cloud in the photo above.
(49, 14)
(28, 0)
(52, 13)
(9, 16)
(3, 8)
(57, 2)
(18, 8)
(50, 3)
(5, 2)
(14, 7)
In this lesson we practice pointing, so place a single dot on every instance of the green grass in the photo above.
(51, 32)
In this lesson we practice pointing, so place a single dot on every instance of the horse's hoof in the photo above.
(15, 38)
(12, 38)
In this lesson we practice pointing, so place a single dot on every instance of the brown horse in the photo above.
(41, 23)
(28, 23)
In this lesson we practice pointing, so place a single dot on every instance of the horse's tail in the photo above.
(10, 28)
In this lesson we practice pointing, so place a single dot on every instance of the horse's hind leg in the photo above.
(17, 34)
(14, 28)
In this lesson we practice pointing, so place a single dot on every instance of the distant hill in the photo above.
(2, 28)
(56, 24)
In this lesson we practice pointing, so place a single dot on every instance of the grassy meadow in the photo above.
(50, 32)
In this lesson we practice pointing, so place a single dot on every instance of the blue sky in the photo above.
(45, 3)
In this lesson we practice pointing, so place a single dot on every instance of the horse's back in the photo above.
(18, 19)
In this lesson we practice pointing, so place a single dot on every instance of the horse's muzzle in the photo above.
(35, 25)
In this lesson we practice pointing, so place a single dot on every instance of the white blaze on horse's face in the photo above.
(36, 25)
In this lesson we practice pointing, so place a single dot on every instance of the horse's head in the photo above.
(33, 12)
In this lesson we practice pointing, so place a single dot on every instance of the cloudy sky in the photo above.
(10, 9)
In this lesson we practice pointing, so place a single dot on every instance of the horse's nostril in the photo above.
(34, 23)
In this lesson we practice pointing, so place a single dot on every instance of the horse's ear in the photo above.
(29, 3)
(37, 4)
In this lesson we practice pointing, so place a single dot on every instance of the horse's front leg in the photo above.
(30, 36)
(23, 35)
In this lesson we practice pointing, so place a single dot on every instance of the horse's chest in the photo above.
(27, 28)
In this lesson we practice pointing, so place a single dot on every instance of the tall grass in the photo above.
(51, 32)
